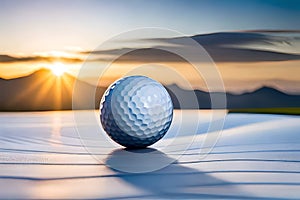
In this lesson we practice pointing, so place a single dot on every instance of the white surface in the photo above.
(257, 156)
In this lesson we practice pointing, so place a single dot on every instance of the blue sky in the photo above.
(32, 25)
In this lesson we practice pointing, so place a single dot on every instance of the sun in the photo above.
(58, 69)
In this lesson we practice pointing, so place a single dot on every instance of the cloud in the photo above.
(227, 54)
(223, 39)
(13, 59)
(243, 46)
(223, 47)
(154, 54)
(271, 31)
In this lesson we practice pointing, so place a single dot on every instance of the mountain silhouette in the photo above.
(42, 90)
(264, 97)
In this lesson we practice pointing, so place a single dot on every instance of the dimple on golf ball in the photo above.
(136, 111)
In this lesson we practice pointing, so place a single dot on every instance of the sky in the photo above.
(32, 30)
(30, 26)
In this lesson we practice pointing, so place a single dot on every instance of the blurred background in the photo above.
(254, 44)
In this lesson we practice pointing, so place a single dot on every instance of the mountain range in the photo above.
(42, 90)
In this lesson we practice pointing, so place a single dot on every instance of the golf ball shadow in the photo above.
(172, 181)
(137, 160)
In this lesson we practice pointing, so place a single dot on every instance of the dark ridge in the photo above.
(39, 92)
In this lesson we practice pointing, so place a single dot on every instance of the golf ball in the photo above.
(136, 111)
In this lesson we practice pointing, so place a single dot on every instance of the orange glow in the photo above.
(48, 90)
(58, 69)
